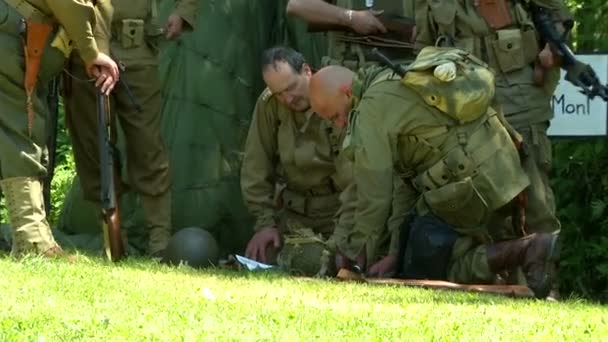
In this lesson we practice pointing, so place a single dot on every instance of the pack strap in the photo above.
(440, 173)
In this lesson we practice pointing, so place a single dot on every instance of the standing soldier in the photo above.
(31, 57)
(357, 26)
(135, 37)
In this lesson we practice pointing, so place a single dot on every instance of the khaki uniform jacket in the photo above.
(302, 150)
(80, 20)
(392, 130)
(290, 148)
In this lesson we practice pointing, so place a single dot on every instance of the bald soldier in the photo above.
(136, 34)
(292, 174)
(435, 128)
(46, 27)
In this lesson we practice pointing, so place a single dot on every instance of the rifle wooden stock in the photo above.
(112, 235)
(109, 205)
(505, 290)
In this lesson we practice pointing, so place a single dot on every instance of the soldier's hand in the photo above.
(365, 22)
(105, 71)
(386, 265)
(104, 80)
(174, 26)
(547, 58)
(343, 261)
(259, 243)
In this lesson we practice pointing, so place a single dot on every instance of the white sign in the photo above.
(575, 114)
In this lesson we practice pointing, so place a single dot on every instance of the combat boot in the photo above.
(31, 232)
(157, 210)
(536, 254)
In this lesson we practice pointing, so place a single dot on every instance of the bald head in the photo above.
(331, 92)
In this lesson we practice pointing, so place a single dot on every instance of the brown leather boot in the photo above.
(536, 254)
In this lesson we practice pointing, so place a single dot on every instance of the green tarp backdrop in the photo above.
(211, 79)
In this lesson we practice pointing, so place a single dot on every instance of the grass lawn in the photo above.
(138, 300)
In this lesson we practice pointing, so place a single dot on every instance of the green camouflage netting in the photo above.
(211, 80)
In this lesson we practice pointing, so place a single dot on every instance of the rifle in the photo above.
(51, 142)
(399, 27)
(518, 291)
(109, 207)
(108, 155)
(577, 72)
(397, 68)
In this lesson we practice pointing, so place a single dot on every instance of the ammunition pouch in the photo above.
(458, 203)
(448, 188)
(129, 32)
(135, 33)
(425, 248)
(514, 49)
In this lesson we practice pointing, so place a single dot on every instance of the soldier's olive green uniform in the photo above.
(293, 160)
(462, 173)
(21, 150)
(387, 240)
(291, 154)
(511, 52)
(136, 32)
(348, 49)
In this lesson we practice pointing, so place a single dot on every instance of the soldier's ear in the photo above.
(306, 70)
(346, 89)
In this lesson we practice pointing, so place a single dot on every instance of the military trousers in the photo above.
(146, 155)
(469, 264)
(540, 212)
(468, 261)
